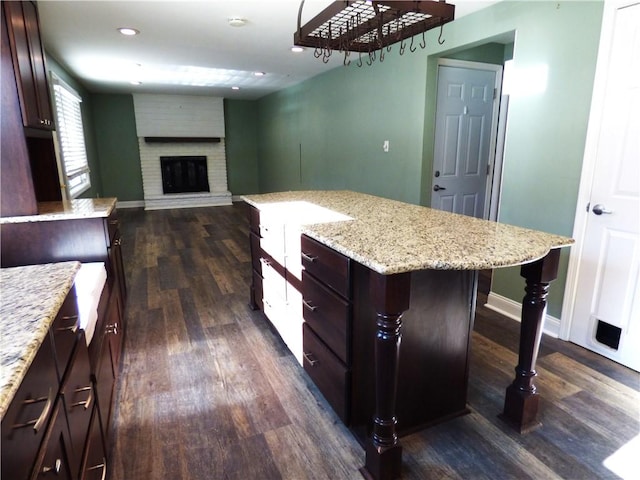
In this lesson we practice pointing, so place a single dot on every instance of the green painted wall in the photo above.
(117, 145)
(327, 132)
(241, 143)
(487, 53)
(86, 107)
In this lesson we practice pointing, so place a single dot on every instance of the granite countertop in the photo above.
(395, 237)
(29, 302)
(67, 210)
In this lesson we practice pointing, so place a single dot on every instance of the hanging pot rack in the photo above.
(366, 26)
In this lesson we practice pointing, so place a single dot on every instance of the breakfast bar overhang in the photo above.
(390, 247)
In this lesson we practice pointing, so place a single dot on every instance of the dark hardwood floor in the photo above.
(208, 391)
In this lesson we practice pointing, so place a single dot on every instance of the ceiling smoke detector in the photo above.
(237, 22)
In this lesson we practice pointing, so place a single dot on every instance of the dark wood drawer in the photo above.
(329, 374)
(328, 315)
(78, 399)
(327, 265)
(65, 331)
(25, 421)
(254, 219)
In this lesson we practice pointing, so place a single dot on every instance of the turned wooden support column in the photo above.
(390, 295)
(521, 400)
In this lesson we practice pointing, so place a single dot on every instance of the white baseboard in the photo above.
(186, 200)
(130, 204)
(512, 309)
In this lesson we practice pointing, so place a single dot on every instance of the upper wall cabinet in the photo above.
(29, 64)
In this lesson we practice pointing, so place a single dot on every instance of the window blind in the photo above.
(71, 137)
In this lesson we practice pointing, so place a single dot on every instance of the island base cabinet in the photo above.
(433, 364)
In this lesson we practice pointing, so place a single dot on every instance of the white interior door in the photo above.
(606, 262)
(464, 147)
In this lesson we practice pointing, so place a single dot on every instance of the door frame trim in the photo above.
(490, 196)
(589, 162)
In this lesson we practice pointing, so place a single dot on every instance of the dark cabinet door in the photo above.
(108, 362)
(17, 194)
(94, 466)
(29, 64)
(54, 461)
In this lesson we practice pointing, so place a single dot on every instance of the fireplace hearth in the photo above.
(184, 174)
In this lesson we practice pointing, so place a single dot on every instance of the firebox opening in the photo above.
(184, 174)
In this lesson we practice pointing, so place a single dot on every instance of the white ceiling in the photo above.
(187, 46)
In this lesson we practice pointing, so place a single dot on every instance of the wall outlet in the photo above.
(385, 146)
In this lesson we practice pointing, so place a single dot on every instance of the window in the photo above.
(70, 138)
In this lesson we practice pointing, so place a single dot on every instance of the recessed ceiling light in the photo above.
(235, 88)
(237, 22)
(297, 49)
(128, 31)
(259, 74)
(135, 82)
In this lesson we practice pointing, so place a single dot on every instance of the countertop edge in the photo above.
(74, 209)
(533, 244)
(12, 378)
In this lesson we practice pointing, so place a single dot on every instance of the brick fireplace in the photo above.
(181, 126)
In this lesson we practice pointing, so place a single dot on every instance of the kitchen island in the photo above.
(382, 270)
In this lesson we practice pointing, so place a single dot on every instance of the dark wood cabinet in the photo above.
(25, 423)
(17, 193)
(105, 360)
(45, 428)
(88, 376)
(29, 166)
(340, 329)
(29, 64)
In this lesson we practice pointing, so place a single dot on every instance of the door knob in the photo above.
(437, 188)
(599, 209)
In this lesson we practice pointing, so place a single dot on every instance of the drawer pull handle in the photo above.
(117, 242)
(73, 328)
(264, 261)
(309, 258)
(112, 328)
(308, 306)
(55, 469)
(309, 358)
(103, 466)
(87, 402)
(39, 422)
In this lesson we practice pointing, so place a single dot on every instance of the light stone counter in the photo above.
(394, 237)
(30, 298)
(67, 210)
